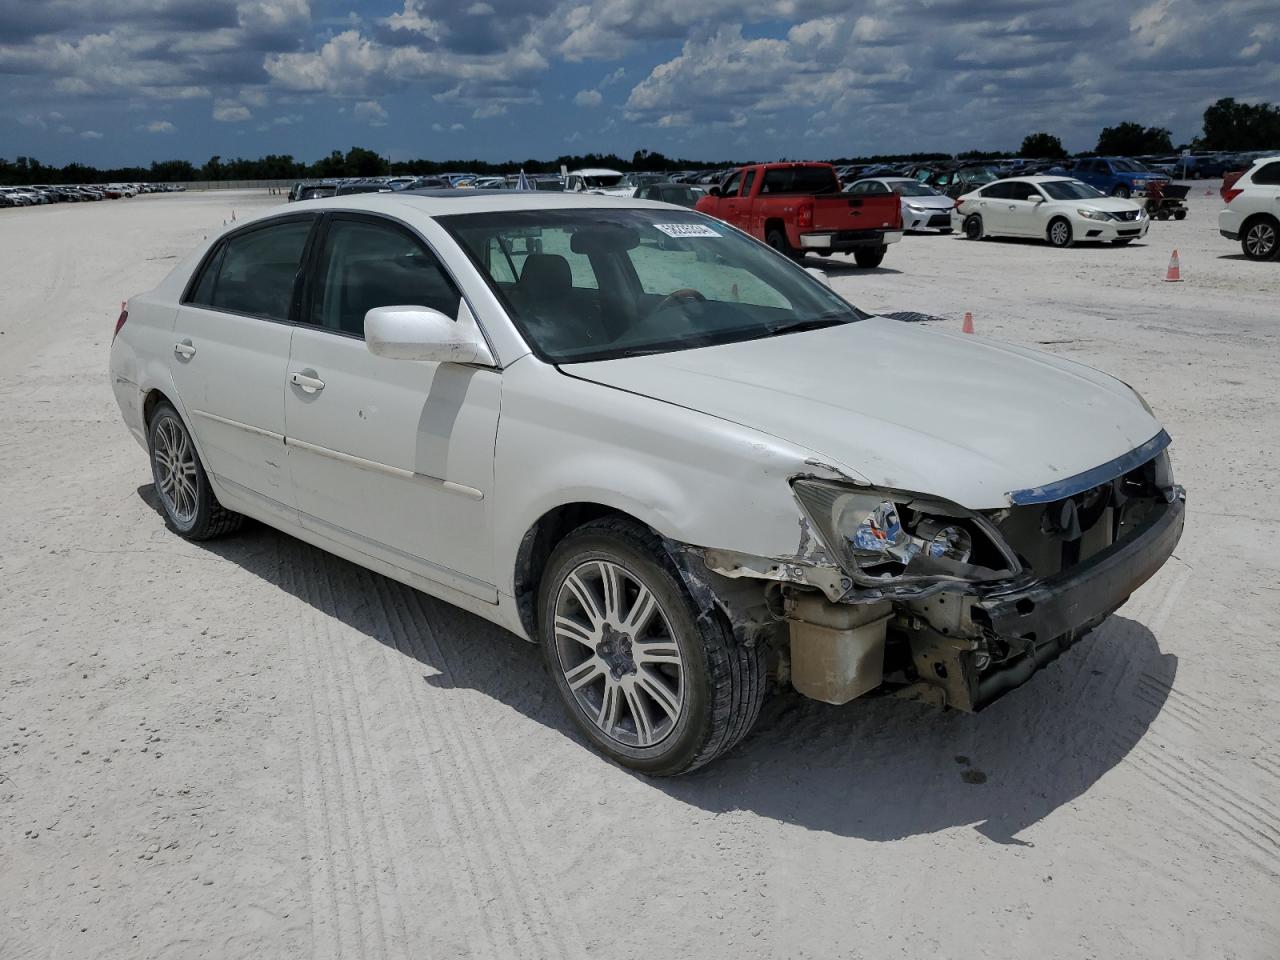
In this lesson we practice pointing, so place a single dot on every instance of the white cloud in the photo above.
(371, 112)
(90, 135)
(160, 126)
(229, 111)
(488, 111)
(588, 98)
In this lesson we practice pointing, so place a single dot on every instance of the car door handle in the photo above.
(307, 380)
(184, 349)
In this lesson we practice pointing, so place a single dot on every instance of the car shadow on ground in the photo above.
(1135, 244)
(836, 267)
(877, 769)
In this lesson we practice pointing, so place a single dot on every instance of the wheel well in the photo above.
(150, 403)
(1254, 218)
(771, 225)
(535, 549)
(1049, 225)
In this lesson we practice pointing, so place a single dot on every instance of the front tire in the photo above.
(655, 682)
(1060, 233)
(1260, 239)
(190, 508)
(1121, 191)
(869, 257)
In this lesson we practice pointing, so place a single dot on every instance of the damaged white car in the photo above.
(632, 434)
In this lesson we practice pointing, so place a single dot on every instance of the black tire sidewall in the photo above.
(973, 227)
(678, 749)
(1275, 245)
(1070, 232)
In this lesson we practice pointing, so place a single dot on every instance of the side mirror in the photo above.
(420, 333)
(818, 274)
(714, 191)
(1036, 199)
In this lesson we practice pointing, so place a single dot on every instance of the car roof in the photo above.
(596, 172)
(437, 203)
(1037, 179)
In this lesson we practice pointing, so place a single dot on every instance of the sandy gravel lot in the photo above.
(253, 749)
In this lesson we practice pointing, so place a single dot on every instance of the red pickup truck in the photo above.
(797, 208)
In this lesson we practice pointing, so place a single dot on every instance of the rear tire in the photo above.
(973, 227)
(1180, 215)
(1059, 232)
(190, 508)
(869, 257)
(596, 580)
(778, 240)
(1260, 238)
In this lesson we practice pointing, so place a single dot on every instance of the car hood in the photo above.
(931, 203)
(1109, 204)
(899, 405)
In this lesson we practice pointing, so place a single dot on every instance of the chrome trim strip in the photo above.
(398, 472)
(1060, 489)
(242, 426)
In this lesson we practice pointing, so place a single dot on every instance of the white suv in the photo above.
(1252, 214)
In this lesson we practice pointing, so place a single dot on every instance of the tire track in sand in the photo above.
(537, 925)
(356, 909)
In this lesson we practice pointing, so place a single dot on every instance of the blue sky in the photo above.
(127, 81)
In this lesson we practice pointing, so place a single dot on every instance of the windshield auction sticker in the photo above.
(686, 230)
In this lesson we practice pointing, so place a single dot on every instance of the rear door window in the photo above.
(1269, 174)
(256, 271)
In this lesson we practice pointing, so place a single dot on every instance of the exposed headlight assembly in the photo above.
(1089, 214)
(886, 538)
(914, 209)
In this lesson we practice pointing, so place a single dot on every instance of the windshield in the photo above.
(1069, 190)
(909, 188)
(602, 181)
(602, 284)
(1128, 166)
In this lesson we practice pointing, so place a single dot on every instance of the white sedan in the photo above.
(689, 470)
(1062, 210)
(924, 209)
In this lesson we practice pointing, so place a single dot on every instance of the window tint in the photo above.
(746, 184)
(800, 180)
(998, 191)
(730, 188)
(202, 292)
(364, 264)
(256, 271)
(1269, 174)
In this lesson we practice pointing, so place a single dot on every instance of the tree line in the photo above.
(1229, 125)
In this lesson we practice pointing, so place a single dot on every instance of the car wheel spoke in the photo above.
(639, 715)
(572, 630)
(658, 691)
(586, 598)
(610, 707)
(585, 673)
(641, 612)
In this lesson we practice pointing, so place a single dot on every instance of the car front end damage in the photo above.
(904, 593)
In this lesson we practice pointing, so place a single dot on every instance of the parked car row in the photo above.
(33, 195)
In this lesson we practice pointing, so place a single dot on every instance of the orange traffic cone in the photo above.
(968, 323)
(1174, 273)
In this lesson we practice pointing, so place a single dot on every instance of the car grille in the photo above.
(1126, 215)
(940, 220)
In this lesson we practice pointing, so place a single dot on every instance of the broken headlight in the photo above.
(889, 536)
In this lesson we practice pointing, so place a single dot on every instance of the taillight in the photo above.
(959, 200)
(124, 315)
(804, 215)
(1229, 195)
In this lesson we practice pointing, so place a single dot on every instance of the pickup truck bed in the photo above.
(797, 208)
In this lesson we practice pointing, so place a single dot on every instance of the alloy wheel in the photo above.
(615, 647)
(1260, 241)
(175, 463)
(1059, 233)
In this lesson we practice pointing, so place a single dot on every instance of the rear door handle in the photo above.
(307, 380)
(184, 349)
